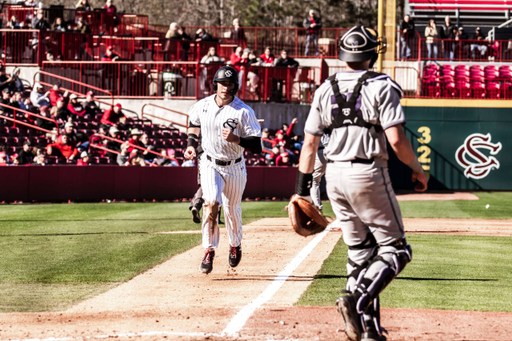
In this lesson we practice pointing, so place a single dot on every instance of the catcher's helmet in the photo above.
(360, 44)
(226, 74)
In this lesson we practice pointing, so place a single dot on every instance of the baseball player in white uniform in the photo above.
(227, 126)
(361, 110)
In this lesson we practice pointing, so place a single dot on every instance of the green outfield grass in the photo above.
(447, 272)
(57, 255)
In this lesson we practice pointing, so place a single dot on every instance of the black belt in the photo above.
(365, 161)
(223, 163)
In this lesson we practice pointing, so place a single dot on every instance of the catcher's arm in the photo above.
(307, 165)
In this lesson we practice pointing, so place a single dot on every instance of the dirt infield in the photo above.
(175, 301)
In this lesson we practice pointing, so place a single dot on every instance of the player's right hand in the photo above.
(422, 179)
(190, 153)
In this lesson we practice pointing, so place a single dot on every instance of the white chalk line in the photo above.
(237, 323)
(243, 315)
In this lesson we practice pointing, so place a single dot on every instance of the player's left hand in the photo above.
(227, 134)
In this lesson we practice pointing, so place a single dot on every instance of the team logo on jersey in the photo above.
(345, 111)
(476, 164)
(231, 123)
(228, 73)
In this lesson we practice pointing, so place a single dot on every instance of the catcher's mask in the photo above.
(226, 74)
(360, 44)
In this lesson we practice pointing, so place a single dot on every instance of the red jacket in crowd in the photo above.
(54, 96)
(76, 109)
(65, 149)
(267, 60)
(110, 117)
(285, 141)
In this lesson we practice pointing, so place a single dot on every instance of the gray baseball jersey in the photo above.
(379, 104)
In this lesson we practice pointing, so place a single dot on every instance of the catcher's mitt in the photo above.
(305, 217)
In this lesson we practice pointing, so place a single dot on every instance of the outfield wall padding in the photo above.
(96, 183)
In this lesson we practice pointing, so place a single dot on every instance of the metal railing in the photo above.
(101, 136)
(73, 86)
(143, 113)
(28, 113)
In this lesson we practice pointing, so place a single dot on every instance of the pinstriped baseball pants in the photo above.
(224, 184)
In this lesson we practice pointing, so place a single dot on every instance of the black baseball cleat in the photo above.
(195, 215)
(346, 306)
(235, 255)
(207, 262)
(371, 334)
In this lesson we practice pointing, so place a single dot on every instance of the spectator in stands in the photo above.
(236, 57)
(111, 116)
(507, 51)
(254, 60)
(26, 105)
(168, 162)
(63, 148)
(268, 57)
(16, 83)
(144, 139)
(124, 156)
(60, 112)
(69, 131)
(58, 25)
(41, 122)
(136, 159)
(4, 159)
(54, 94)
(135, 135)
(122, 125)
(38, 97)
(10, 101)
(18, 99)
(31, 3)
(176, 32)
(5, 80)
(83, 5)
(109, 7)
(448, 31)
(280, 140)
(431, 35)
(110, 55)
(82, 27)
(284, 160)
(75, 107)
(462, 46)
(25, 156)
(84, 160)
(285, 61)
(271, 157)
(91, 108)
(237, 33)
(112, 145)
(408, 36)
(39, 23)
(211, 57)
(293, 140)
(312, 24)
(266, 142)
(14, 23)
(202, 35)
(480, 46)
(40, 159)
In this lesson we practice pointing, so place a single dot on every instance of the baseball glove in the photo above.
(305, 217)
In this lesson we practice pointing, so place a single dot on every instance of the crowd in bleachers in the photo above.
(56, 126)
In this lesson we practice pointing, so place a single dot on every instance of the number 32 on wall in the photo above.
(423, 150)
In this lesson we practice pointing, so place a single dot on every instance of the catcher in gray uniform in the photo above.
(360, 110)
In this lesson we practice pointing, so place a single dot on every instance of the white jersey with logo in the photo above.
(211, 118)
(223, 184)
(379, 103)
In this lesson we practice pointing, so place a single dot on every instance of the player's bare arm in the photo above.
(193, 140)
(308, 153)
(403, 150)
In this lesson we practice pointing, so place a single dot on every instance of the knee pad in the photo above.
(381, 270)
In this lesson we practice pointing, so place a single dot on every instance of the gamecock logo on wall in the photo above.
(476, 164)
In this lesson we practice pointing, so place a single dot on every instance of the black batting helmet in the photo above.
(360, 44)
(226, 74)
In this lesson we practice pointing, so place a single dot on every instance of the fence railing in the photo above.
(187, 80)
(143, 113)
(28, 114)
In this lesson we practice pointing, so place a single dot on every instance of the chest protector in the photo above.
(347, 114)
